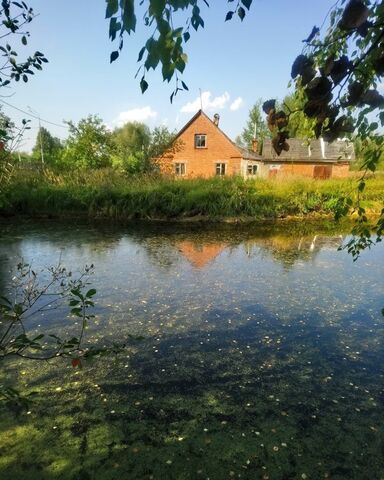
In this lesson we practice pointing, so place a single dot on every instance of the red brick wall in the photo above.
(305, 170)
(200, 162)
(340, 171)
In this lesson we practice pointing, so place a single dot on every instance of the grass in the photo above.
(109, 194)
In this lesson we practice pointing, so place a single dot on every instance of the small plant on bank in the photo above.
(29, 298)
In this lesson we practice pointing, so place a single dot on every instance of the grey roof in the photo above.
(311, 151)
(248, 154)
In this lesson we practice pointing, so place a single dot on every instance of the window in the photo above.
(252, 169)
(220, 168)
(179, 169)
(200, 140)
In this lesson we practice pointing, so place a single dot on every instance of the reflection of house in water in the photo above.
(199, 254)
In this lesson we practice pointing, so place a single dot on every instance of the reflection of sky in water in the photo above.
(263, 343)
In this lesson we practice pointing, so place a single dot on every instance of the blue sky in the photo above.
(233, 63)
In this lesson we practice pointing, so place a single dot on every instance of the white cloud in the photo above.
(380, 87)
(209, 103)
(236, 104)
(135, 115)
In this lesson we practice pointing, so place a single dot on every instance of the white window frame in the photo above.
(220, 169)
(182, 166)
(198, 138)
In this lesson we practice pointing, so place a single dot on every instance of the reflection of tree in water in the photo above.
(160, 251)
(288, 250)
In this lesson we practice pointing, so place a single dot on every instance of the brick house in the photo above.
(202, 149)
(315, 159)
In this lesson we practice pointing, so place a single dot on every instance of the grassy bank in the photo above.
(108, 194)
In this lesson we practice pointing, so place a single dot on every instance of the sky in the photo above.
(233, 64)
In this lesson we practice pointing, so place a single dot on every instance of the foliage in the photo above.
(170, 23)
(255, 125)
(89, 144)
(15, 16)
(300, 126)
(162, 140)
(47, 145)
(28, 298)
(107, 194)
(131, 143)
(10, 137)
(338, 77)
(367, 149)
(137, 147)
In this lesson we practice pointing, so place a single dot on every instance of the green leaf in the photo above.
(114, 27)
(128, 17)
(141, 53)
(247, 3)
(229, 16)
(91, 293)
(112, 8)
(143, 85)
(114, 56)
(241, 13)
(24, 40)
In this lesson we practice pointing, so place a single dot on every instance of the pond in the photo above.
(262, 356)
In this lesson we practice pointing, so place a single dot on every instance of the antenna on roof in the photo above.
(201, 100)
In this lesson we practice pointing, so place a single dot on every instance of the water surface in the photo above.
(262, 356)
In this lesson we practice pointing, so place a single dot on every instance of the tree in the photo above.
(48, 147)
(131, 143)
(256, 127)
(300, 126)
(137, 147)
(161, 140)
(89, 144)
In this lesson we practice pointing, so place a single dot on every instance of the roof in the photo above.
(243, 152)
(310, 151)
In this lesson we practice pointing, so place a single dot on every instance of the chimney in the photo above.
(255, 146)
(255, 142)
(216, 119)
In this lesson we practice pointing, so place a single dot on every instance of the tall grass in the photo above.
(109, 194)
